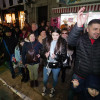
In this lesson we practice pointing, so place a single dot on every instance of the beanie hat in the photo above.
(93, 81)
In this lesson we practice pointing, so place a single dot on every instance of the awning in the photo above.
(74, 9)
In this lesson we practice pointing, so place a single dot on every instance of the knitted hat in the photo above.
(93, 81)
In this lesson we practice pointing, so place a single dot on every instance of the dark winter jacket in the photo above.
(36, 33)
(87, 55)
(60, 56)
(27, 46)
(11, 43)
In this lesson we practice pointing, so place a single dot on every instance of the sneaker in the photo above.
(52, 92)
(44, 91)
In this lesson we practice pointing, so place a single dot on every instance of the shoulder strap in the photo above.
(34, 45)
(6, 47)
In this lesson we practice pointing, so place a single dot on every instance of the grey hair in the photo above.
(35, 24)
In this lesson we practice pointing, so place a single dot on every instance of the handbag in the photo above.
(31, 56)
(53, 64)
(66, 63)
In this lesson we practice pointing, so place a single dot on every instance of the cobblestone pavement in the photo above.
(34, 93)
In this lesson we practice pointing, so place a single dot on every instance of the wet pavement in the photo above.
(33, 93)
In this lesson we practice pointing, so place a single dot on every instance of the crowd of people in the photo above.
(56, 50)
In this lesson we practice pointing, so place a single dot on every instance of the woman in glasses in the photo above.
(64, 34)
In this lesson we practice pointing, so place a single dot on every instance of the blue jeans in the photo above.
(10, 65)
(81, 83)
(55, 76)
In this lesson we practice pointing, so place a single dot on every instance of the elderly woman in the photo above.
(30, 58)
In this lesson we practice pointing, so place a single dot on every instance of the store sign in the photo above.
(80, 1)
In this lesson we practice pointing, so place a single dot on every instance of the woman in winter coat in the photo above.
(30, 58)
(53, 53)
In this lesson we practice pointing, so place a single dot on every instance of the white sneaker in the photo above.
(52, 92)
(44, 91)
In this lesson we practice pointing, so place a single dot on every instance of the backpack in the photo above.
(31, 56)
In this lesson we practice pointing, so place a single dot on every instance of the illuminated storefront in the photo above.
(0, 20)
(10, 18)
(14, 15)
(21, 19)
(69, 14)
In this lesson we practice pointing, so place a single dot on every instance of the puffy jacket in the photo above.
(59, 56)
(87, 59)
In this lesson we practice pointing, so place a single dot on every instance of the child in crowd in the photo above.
(18, 61)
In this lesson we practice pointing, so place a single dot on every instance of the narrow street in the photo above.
(33, 93)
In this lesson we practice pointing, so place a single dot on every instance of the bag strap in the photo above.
(34, 45)
(6, 47)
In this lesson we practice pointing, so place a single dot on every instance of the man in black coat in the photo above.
(8, 50)
(87, 49)
(35, 29)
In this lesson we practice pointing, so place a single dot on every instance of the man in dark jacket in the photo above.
(87, 49)
(8, 50)
(35, 29)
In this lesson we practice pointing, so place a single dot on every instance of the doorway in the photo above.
(42, 14)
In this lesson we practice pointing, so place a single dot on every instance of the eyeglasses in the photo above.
(65, 33)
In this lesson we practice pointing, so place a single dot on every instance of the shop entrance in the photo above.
(42, 14)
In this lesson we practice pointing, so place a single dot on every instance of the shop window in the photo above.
(13, 18)
(0, 20)
(8, 18)
(21, 19)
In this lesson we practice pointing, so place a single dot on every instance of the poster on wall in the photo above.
(55, 22)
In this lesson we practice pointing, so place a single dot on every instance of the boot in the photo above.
(36, 83)
(31, 83)
(26, 75)
(23, 74)
(22, 80)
